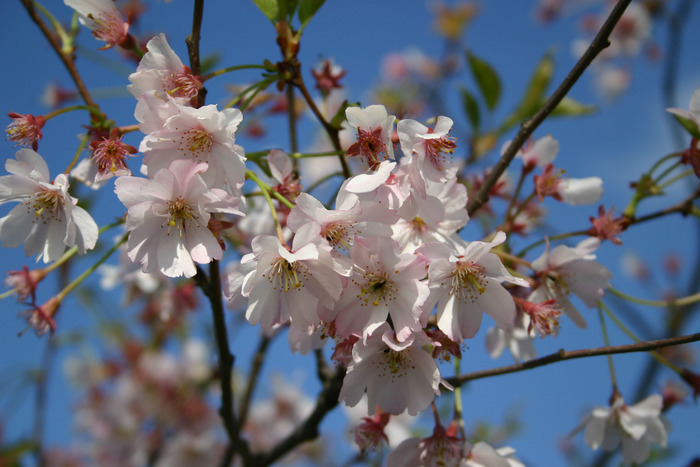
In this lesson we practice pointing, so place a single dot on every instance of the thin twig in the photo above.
(562, 355)
(308, 430)
(192, 42)
(599, 43)
(67, 59)
(257, 364)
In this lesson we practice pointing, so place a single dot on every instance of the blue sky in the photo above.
(617, 144)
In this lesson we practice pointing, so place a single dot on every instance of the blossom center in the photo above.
(196, 142)
(285, 276)
(440, 149)
(378, 288)
(184, 84)
(340, 234)
(108, 27)
(109, 155)
(47, 205)
(369, 146)
(180, 213)
(468, 281)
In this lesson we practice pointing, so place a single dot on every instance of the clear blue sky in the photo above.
(616, 144)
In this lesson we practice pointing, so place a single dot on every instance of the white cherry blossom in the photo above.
(168, 218)
(47, 220)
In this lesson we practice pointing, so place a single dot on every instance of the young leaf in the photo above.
(486, 79)
(270, 8)
(534, 93)
(690, 126)
(307, 10)
(287, 8)
(471, 107)
(569, 107)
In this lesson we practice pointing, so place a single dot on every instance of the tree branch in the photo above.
(562, 355)
(192, 42)
(258, 360)
(307, 431)
(599, 43)
(67, 59)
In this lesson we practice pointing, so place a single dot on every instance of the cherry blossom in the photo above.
(168, 216)
(573, 191)
(282, 283)
(536, 153)
(383, 283)
(483, 455)
(25, 130)
(693, 112)
(636, 427)
(443, 448)
(397, 376)
(567, 270)
(465, 282)
(201, 135)
(47, 220)
(161, 72)
(104, 20)
(433, 147)
(374, 131)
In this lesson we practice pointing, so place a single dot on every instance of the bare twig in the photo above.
(258, 361)
(562, 355)
(599, 43)
(67, 59)
(192, 42)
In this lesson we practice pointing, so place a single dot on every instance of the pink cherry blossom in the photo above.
(201, 135)
(282, 283)
(374, 131)
(396, 376)
(104, 20)
(465, 282)
(161, 72)
(573, 191)
(383, 283)
(443, 448)
(433, 147)
(25, 130)
(567, 270)
(47, 220)
(636, 427)
(483, 455)
(536, 153)
(168, 217)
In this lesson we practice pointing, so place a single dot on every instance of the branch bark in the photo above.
(599, 43)
(562, 355)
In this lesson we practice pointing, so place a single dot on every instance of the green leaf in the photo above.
(307, 10)
(287, 8)
(569, 107)
(689, 125)
(270, 8)
(471, 107)
(486, 79)
(534, 93)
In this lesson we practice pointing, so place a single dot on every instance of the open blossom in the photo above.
(536, 153)
(693, 112)
(25, 130)
(162, 73)
(201, 135)
(104, 20)
(374, 131)
(282, 283)
(636, 427)
(383, 283)
(433, 147)
(47, 220)
(567, 270)
(168, 218)
(483, 455)
(396, 376)
(465, 283)
(442, 449)
(108, 160)
(573, 191)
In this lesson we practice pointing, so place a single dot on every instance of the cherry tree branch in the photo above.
(599, 43)
(308, 430)
(258, 361)
(192, 42)
(562, 355)
(67, 59)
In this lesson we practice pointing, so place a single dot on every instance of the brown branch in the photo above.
(258, 361)
(332, 132)
(562, 355)
(67, 59)
(684, 207)
(599, 43)
(192, 42)
(308, 430)
(226, 361)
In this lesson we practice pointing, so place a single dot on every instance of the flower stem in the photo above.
(220, 72)
(607, 344)
(83, 143)
(676, 302)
